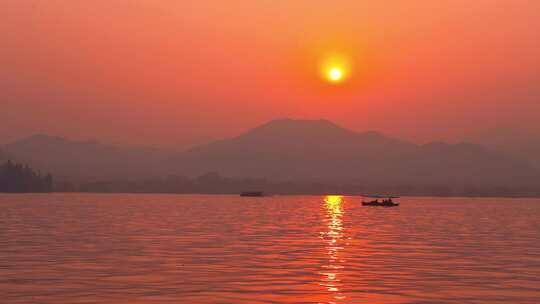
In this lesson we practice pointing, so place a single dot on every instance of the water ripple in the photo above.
(88, 248)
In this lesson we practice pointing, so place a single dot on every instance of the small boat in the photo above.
(252, 193)
(387, 201)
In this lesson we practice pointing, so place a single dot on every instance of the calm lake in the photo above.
(98, 248)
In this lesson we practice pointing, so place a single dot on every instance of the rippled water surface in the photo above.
(89, 248)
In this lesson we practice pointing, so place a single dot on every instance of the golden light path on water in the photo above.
(335, 240)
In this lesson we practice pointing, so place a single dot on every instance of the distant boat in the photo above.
(252, 193)
(386, 201)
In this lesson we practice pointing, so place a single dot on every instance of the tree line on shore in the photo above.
(213, 183)
(19, 178)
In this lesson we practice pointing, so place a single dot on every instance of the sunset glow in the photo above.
(335, 68)
(249, 151)
(335, 74)
(172, 60)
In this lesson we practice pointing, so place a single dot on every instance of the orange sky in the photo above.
(174, 73)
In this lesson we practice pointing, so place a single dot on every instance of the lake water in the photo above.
(92, 248)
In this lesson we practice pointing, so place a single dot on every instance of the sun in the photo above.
(335, 69)
(335, 74)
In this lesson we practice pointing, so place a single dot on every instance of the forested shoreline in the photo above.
(214, 183)
(19, 178)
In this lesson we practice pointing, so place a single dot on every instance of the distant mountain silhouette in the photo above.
(517, 143)
(284, 150)
(287, 149)
(85, 160)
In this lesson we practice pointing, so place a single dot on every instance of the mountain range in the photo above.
(288, 150)
(517, 143)
(85, 160)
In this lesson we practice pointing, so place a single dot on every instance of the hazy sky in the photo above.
(173, 73)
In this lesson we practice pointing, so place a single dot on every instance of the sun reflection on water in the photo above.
(334, 237)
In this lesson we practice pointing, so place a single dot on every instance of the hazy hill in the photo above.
(320, 150)
(517, 143)
(287, 150)
(85, 160)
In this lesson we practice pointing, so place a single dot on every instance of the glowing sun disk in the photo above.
(335, 74)
(335, 68)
